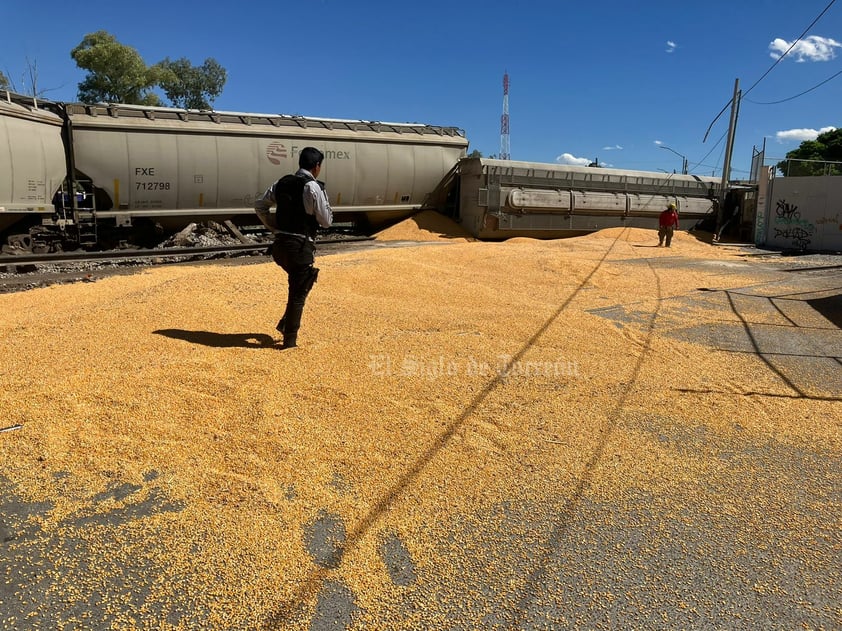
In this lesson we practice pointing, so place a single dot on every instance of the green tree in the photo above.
(116, 73)
(812, 156)
(4, 81)
(476, 153)
(191, 87)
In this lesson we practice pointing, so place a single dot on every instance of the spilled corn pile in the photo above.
(471, 435)
(426, 225)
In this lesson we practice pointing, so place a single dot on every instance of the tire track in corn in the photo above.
(320, 581)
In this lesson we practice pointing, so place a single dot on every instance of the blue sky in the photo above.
(612, 80)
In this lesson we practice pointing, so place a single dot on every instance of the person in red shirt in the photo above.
(667, 224)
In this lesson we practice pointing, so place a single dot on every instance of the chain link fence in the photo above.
(796, 168)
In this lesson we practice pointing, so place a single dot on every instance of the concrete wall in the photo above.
(803, 213)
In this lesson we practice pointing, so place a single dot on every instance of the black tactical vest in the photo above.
(290, 214)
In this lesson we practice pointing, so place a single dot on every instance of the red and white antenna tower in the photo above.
(504, 121)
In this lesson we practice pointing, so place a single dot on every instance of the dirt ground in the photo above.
(592, 432)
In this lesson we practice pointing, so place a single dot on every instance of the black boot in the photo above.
(292, 321)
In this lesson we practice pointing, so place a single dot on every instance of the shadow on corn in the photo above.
(764, 356)
(318, 581)
(219, 340)
(801, 354)
(557, 530)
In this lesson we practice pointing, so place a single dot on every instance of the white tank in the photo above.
(500, 199)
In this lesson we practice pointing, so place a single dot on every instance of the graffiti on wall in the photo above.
(789, 226)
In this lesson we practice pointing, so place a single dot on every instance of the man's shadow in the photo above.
(220, 340)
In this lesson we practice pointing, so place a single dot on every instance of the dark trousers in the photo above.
(296, 257)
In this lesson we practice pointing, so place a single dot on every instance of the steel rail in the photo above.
(114, 255)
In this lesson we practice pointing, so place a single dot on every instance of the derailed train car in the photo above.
(89, 175)
(499, 199)
(101, 171)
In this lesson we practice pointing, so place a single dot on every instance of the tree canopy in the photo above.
(812, 157)
(189, 86)
(118, 74)
(4, 81)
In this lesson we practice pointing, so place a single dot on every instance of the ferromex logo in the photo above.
(277, 151)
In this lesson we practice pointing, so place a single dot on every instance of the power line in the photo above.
(800, 37)
(712, 149)
(797, 95)
(777, 61)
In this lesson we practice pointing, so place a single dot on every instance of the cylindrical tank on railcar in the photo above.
(162, 162)
(32, 158)
(503, 198)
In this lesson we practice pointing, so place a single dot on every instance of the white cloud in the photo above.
(614, 148)
(659, 142)
(569, 158)
(800, 135)
(671, 46)
(813, 48)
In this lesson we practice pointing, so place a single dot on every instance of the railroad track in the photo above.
(59, 258)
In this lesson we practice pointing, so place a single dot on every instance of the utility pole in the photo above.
(729, 147)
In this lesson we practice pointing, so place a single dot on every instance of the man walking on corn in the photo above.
(667, 224)
(301, 206)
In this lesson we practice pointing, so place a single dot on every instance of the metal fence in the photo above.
(798, 168)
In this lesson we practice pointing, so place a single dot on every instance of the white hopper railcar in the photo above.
(135, 166)
(32, 160)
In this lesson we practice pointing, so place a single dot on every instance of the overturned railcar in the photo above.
(500, 199)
